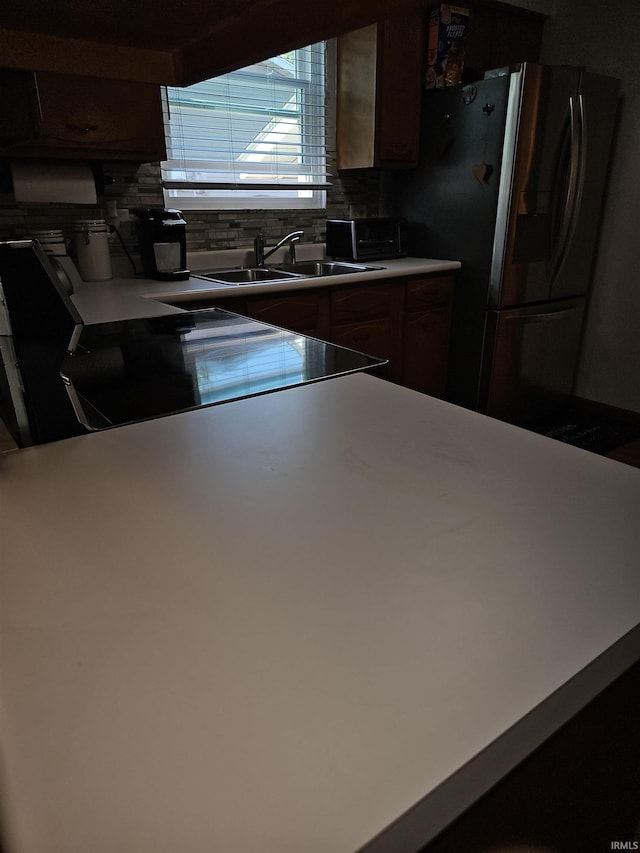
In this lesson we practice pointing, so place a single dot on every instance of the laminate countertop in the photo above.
(126, 297)
(318, 621)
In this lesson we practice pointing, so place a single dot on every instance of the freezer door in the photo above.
(548, 218)
(530, 360)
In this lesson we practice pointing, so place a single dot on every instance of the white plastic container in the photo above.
(91, 248)
(51, 240)
(53, 244)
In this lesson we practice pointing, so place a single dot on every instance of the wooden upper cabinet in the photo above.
(378, 94)
(381, 77)
(64, 115)
(500, 34)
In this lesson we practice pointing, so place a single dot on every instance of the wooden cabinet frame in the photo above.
(69, 116)
(379, 76)
(405, 320)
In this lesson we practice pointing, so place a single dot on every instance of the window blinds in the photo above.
(256, 132)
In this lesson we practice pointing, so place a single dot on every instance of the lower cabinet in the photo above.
(427, 319)
(307, 312)
(368, 318)
(373, 337)
(405, 321)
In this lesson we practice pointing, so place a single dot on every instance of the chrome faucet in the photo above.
(262, 254)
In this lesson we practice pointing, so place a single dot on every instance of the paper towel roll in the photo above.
(42, 180)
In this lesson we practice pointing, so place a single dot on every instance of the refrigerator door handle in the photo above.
(545, 316)
(575, 183)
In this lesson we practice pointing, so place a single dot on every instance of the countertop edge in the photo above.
(124, 298)
(439, 809)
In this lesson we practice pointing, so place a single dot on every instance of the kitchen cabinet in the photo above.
(68, 116)
(404, 320)
(173, 44)
(368, 300)
(381, 77)
(501, 35)
(373, 337)
(368, 318)
(307, 312)
(379, 82)
(427, 320)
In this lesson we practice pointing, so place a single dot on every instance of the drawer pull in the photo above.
(90, 128)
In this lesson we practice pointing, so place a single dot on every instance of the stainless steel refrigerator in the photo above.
(511, 180)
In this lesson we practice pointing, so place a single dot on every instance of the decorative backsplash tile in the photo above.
(134, 185)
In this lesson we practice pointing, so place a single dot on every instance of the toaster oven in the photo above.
(364, 239)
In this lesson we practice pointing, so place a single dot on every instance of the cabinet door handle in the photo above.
(89, 128)
(37, 88)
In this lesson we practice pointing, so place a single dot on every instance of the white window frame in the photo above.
(294, 174)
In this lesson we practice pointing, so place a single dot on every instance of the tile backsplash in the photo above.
(134, 185)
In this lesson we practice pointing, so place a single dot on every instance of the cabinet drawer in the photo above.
(299, 312)
(372, 300)
(429, 293)
(372, 337)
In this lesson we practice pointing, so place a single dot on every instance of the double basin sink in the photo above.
(301, 269)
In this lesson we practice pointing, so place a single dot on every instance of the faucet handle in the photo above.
(292, 249)
(258, 249)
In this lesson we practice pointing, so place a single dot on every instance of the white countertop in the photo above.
(294, 622)
(128, 297)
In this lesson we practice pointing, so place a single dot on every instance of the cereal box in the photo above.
(447, 37)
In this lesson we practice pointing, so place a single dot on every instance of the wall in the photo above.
(544, 7)
(139, 186)
(605, 38)
(351, 194)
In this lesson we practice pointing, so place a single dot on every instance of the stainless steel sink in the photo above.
(246, 275)
(314, 268)
(301, 269)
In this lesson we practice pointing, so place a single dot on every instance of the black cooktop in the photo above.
(134, 370)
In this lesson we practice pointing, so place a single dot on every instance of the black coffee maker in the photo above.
(163, 243)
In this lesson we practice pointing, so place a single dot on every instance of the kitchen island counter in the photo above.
(323, 620)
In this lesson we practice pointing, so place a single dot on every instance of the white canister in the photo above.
(51, 241)
(91, 247)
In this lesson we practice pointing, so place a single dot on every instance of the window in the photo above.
(253, 138)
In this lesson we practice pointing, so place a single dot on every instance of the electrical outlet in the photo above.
(357, 211)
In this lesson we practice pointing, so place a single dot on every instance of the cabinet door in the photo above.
(19, 113)
(110, 115)
(372, 337)
(86, 117)
(502, 35)
(304, 312)
(378, 93)
(353, 303)
(425, 351)
(433, 292)
(401, 59)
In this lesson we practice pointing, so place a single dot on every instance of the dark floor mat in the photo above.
(600, 435)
